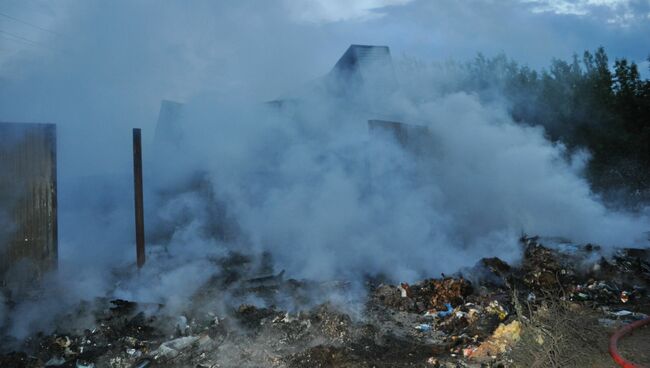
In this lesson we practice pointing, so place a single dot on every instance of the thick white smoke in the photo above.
(307, 183)
(327, 199)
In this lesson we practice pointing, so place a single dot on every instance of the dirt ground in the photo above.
(636, 346)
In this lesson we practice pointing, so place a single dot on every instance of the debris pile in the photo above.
(492, 315)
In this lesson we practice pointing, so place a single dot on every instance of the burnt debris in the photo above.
(440, 322)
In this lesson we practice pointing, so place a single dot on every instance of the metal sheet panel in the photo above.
(28, 207)
(169, 131)
(416, 138)
(371, 66)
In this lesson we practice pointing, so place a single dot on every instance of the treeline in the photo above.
(583, 103)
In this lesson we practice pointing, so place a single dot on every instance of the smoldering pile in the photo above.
(481, 316)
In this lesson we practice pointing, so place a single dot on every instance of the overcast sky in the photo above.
(264, 47)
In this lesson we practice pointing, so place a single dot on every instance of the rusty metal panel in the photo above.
(28, 202)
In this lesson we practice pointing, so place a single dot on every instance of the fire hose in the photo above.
(613, 342)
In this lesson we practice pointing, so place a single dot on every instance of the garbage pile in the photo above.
(484, 316)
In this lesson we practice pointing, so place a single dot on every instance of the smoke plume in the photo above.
(306, 182)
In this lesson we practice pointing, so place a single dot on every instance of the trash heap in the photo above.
(491, 315)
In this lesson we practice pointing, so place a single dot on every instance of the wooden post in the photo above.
(139, 203)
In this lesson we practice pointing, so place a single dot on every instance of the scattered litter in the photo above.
(625, 296)
(55, 362)
(440, 314)
(172, 348)
(405, 290)
(143, 364)
(63, 341)
(622, 313)
(134, 352)
(468, 351)
(444, 322)
(182, 326)
(628, 315)
(495, 308)
(433, 362)
(84, 364)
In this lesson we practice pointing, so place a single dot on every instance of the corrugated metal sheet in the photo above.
(28, 208)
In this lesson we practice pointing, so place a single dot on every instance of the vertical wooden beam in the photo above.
(139, 203)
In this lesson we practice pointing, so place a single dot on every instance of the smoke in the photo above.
(328, 199)
(305, 182)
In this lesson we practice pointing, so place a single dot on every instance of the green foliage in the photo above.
(583, 104)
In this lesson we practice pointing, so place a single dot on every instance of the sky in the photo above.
(530, 31)
(70, 54)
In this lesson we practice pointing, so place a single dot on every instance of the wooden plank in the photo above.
(28, 204)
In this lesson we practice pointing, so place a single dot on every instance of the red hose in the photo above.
(613, 341)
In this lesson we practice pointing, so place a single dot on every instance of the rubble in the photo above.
(491, 315)
(428, 295)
